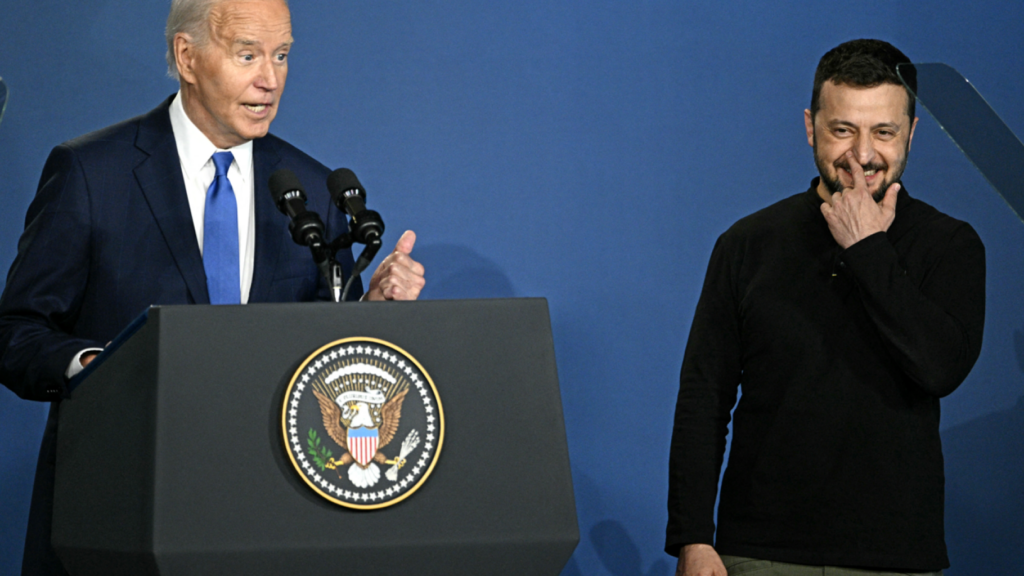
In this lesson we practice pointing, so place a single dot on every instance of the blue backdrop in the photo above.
(589, 152)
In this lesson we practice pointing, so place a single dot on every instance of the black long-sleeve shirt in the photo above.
(841, 357)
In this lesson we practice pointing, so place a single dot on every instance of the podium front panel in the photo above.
(225, 497)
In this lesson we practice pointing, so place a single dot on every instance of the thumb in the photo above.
(889, 202)
(406, 242)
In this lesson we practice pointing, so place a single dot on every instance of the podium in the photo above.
(171, 457)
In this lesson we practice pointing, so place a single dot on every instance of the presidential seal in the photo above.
(362, 423)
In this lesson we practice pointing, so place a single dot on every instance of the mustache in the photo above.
(842, 163)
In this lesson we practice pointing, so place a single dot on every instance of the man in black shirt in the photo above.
(843, 313)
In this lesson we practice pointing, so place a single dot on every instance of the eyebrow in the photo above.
(891, 125)
(250, 42)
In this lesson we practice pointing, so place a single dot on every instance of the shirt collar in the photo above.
(195, 149)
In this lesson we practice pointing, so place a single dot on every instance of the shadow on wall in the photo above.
(619, 554)
(985, 488)
(608, 538)
(454, 271)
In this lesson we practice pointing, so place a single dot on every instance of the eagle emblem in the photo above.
(349, 398)
(362, 424)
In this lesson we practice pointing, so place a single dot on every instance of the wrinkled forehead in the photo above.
(251, 22)
(886, 102)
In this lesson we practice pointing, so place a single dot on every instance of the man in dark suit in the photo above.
(134, 215)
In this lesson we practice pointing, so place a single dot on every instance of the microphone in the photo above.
(306, 226)
(350, 197)
(290, 198)
(366, 226)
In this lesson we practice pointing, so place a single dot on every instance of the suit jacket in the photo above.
(110, 233)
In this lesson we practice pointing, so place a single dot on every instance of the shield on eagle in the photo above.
(362, 443)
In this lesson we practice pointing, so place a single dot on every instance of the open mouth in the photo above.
(257, 108)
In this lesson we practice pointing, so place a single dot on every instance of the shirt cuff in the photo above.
(76, 363)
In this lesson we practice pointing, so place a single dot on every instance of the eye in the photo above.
(281, 57)
(248, 57)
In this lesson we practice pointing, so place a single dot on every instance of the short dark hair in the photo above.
(864, 63)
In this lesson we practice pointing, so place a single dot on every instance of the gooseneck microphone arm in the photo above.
(365, 257)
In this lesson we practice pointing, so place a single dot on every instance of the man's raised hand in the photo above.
(853, 215)
(398, 277)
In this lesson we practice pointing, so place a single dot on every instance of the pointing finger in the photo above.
(857, 171)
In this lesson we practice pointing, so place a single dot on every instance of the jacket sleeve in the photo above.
(707, 392)
(46, 283)
(931, 318)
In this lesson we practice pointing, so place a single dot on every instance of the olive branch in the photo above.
(320, 455)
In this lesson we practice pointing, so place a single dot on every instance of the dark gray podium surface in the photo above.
(171, 458)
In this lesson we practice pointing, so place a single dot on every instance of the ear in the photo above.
(809, 126)
(913, 126)
(185, 52)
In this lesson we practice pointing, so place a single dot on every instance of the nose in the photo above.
(267, 79)
(864, 149)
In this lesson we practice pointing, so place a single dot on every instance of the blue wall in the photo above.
(587, 152)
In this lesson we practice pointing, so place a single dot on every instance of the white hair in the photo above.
(189, 17)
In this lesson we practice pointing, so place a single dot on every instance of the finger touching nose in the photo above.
(864, 150)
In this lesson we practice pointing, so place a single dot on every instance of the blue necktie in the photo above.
(220, 236)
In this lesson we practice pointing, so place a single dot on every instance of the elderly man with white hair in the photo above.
(171, 207)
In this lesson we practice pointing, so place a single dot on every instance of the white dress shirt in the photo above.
(195, 151)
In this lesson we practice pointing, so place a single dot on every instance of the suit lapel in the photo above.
(265, 159)
(159, 177)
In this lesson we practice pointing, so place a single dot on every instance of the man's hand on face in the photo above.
(853, 215)
(700, 560)
(398, 277)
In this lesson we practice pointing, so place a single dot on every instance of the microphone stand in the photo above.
(330, 268)
(323, 253)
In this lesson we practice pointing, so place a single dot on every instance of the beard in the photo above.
(834, 184)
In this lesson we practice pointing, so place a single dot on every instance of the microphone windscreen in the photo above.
(282, 182)
(341, 180)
